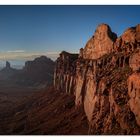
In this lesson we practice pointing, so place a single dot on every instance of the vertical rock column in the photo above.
(65, 72)
(134, 86)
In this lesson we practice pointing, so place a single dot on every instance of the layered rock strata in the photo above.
(105, 79)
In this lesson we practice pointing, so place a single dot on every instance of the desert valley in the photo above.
(95, 92)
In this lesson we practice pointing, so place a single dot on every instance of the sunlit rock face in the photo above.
(134, 86)
(106, 81)
(135, 61)
(138, 33)
(101, 43)
(90, 98)
(78, 89)
(134, 94)
(129, 35)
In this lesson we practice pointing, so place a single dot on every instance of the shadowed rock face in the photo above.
(105, 79)
(7, 71)
(65, 71)
(8, 65)
(38, 71)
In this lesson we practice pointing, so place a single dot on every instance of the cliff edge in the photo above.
(105, 79)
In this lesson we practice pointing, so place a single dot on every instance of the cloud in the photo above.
(16, 51)
(22, 55)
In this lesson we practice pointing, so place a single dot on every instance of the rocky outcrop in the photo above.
(8, 66)
(105, 80)
(65, 71)
(101, 43)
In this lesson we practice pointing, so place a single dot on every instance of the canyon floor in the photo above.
(37, 111)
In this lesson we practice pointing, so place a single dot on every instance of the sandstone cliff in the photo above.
(105, 79)
(101, 43)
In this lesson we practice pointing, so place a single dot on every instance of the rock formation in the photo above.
(105, 79)
(36, 72)
(8, 66)
(138, 33)
(7, 71)
(101, 43)
(65, 72)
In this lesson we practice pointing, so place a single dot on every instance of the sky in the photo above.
(27, 32)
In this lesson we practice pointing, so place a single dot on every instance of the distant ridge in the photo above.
(38, 71)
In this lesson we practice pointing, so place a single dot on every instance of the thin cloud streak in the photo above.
(16, 51)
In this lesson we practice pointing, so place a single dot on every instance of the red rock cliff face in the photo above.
(101, 43)
(105, 78)
(65, 71)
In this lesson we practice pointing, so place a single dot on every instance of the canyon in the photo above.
(105, 79)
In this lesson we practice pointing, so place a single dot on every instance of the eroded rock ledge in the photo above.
(105, 78)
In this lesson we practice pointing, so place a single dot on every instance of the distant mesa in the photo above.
(35, 72)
